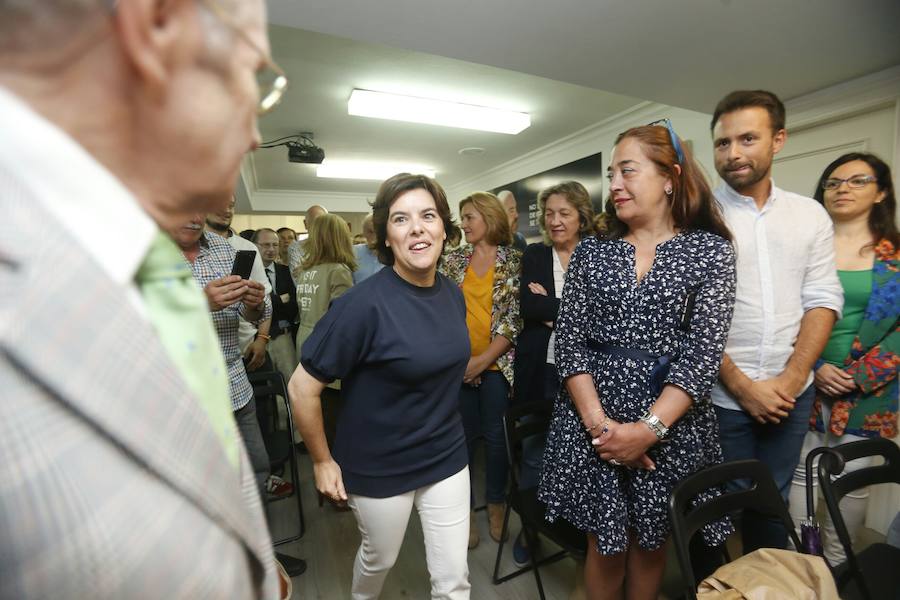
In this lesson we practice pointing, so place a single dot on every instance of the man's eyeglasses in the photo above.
(270, 79)
(854, 183)
(679, 152)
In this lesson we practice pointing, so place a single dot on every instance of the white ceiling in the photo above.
(570, 63)
(324, 69)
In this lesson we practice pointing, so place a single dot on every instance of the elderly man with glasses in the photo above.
(123, 475)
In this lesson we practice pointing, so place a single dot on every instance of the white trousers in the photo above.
(284, 355)
(284, 358)
(853, 506)
(443, 509)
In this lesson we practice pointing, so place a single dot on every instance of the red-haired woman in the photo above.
(641, 330)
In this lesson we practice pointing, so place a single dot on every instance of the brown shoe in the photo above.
(495, 518)
(474, 538)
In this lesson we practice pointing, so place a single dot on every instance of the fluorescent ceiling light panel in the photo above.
(368, 170)
(381, 105)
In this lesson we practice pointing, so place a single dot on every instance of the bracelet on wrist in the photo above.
(658, 428)
(600, 424)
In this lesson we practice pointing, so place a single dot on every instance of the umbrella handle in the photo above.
(810, 490)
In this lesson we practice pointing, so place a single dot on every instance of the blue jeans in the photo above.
(482, 410)
(778, 445)
(533, 446)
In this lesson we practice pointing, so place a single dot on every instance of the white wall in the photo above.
(295, 222)
(799, 166)
(690, 125)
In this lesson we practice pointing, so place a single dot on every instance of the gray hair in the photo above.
(27, 25)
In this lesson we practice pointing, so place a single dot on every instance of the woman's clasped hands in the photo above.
(626, 444)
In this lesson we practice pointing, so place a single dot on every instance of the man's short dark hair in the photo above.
(749, 99)
(256, 233)
(280, 229)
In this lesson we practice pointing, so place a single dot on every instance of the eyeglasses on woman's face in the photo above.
(854, 183)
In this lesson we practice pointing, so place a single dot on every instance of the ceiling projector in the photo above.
(304, 151)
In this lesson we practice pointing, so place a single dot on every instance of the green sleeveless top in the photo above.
(857, 288)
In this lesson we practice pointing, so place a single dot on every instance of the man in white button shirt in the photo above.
(788, 298)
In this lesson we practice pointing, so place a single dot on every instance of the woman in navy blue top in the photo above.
(399, 344)
(639, 339)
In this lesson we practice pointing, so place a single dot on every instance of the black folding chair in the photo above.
(521, 422)
(279, 441)
(874, 572)
(687, 518)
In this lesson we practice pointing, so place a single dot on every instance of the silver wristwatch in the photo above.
(655, 425)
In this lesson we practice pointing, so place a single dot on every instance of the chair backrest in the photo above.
(267, 383)
(833, 460)
(520, 422)
(835, 486)
(687, 518)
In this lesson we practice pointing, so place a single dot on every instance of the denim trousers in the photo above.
(248, 426)
(778, 446)
(482, 409)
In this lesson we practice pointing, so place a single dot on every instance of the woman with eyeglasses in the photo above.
(856, 376)
(640, 336)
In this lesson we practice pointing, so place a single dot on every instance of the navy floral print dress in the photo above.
(603, 302)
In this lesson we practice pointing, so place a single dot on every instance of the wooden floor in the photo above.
(331, 540)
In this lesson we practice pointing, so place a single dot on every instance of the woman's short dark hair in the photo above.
(576, 195)
(749, 99)
(393, 188)
(692, 203)
(882, 219)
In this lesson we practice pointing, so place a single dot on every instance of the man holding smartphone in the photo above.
(230, 299)
(234, 299)
(252, 339)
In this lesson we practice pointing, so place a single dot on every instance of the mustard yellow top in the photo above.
(478, 292)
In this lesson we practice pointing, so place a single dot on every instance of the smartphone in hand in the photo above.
(243, 263)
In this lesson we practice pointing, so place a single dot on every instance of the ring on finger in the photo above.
(614, 462)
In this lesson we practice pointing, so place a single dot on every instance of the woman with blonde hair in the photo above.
(487, 269)
(324, 274)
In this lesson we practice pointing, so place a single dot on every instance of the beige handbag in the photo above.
(770, 574)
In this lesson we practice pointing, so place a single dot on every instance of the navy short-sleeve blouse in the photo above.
(400, 352)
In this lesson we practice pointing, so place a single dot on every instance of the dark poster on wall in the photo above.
(587, 171)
